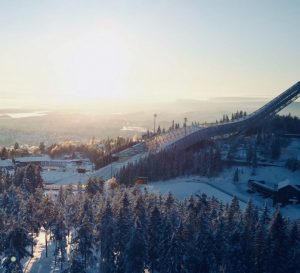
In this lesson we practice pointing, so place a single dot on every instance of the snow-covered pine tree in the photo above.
(136, 250)
(107, 254)
(123, 232)
(155, 229)
(279, 246)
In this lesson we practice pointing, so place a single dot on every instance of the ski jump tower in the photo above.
(193, 135)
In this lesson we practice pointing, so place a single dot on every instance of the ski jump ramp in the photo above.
(182, 139)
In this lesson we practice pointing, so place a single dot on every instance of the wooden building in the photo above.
(283, 193)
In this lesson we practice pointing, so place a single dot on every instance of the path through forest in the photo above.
(39, 263)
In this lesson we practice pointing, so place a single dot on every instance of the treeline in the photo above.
(21, 215)
(100, 154)
(174, 126)
(172, 163)
(270, 143)
(27, 178)
(286, 124)
(234, 116)
(293, 164)
(16, 151)
(279, 125)
(128, 230)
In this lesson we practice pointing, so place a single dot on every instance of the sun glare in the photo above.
(93, 66)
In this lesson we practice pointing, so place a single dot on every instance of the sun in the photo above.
(93, 66)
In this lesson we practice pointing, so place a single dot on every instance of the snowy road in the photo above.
(40, 263)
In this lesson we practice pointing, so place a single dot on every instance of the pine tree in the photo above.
(59, 235)
(76, 263)
(84, 239)
(293, 249)
(107, 259)
(123, 232)
(136, 250)
(275, 147)
(164, 244)
(260, 249)
(250, 218)
(234, 212)
(155, 229)
(16, 241)
(279, 249)
(236, 176)
(175, 253)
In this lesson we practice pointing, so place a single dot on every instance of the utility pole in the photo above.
(154, 116)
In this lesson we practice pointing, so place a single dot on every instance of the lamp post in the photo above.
(154, 116)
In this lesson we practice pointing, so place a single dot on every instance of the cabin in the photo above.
(6, 164)
(262, 187)
(287, 194)
(283, 192)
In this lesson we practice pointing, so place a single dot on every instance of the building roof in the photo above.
(271, 187)
(6, 163)
(28, 159)
(287, 182)
(274, 186)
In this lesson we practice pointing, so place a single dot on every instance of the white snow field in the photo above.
(105, 172)
(186, 186)
(223, 187)
(71, 176)
(39, 263)
(292, 150)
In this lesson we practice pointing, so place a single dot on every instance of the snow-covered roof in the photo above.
(6, 163)
(64, 178)
(271, 187)
(275, 186)
(27, 159)
(287, 182)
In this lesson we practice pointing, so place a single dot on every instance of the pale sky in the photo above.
(55, 51)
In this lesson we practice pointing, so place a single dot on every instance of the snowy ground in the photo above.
(292, 150)
(110, 170)
(186, 186)
(64, 178)
(39, 263)
(223, 188)
(73, 177)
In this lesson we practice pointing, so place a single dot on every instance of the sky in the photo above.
(61, 52)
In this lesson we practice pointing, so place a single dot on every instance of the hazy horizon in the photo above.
(61, 53)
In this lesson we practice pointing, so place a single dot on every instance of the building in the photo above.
(6, 164)
(283, 192)
(287, 193)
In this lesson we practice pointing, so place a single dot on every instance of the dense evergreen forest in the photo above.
(205, 160)
(287, 124)
(129, 229)
(168, 164)
(124, 229)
